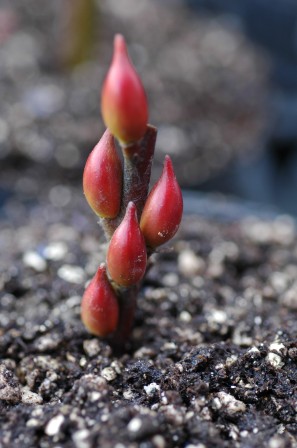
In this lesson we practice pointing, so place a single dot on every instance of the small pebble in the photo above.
(9, 386)
(151, 389)
(278, 347)
(80, 439)
(143, 352)
(95, 396)
(47, 342)
(134, 425)
(35, 261)
(128, 394)
(199, 445)
(109, 373)
(92, 347)
(170, 279)
(82, 361)
(231, 360)
(219, 316)
(190, 264)
(54, 425)
(275, 360)
(33, 423)
(159, 441)
(169, 346)
(29, 397)
(229, 403)
(277, 442)
(254, 350)
(72, 274)
(55, 251)
(185, 316)
(116, 365)
(179, 367)
(292, 352)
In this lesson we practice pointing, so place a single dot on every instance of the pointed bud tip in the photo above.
(131, 209)
(101, 270)
(168, 166)
(119, 44)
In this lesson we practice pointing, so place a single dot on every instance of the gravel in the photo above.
(211, 361)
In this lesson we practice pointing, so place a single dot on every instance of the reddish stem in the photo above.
(138, 159)
(127, 298)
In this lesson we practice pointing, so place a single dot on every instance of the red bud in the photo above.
(163, 209)
(126, 256)
(99, 308)
(102, 179)
(124, 105)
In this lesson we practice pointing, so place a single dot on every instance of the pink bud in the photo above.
(126, 256)
(163, 209)
(99, 308)
(102, 178)
(123, 103)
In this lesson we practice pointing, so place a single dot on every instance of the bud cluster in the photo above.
(136, 223)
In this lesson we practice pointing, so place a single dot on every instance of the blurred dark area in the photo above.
(272, 26)
(221, 82)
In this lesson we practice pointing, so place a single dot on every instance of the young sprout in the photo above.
(119, 195)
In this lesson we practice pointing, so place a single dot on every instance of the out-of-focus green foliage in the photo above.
(80, 21)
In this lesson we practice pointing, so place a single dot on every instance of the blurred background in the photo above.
(221, 79)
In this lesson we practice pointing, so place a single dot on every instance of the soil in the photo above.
(212, 358)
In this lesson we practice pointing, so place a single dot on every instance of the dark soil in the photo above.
(212, 359)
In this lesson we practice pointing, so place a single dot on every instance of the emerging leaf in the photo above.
(163, 209)
(102, 179)
(126, 256)
(99, 308)
(123, 103)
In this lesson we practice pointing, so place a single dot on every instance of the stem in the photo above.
(138, 159)
(137, 170)
(127, 304)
